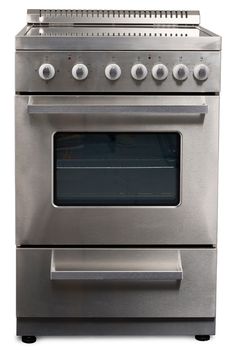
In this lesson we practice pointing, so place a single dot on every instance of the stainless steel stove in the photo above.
(116, 173)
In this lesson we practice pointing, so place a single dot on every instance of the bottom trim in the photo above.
(115, 326)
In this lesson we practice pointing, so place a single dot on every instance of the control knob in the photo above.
(46, 71)
(180, 72)
(80, 71)
(112, 71)
(201, 72)
(139, 71)
(159, 72)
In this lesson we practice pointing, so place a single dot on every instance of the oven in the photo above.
(116, 170)
(116, 174)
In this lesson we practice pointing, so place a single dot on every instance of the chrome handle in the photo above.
(90, 107)
(121, 109)
(117, 275)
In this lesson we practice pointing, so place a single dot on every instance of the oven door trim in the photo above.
(39, 221)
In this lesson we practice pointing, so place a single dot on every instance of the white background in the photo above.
(219, 17)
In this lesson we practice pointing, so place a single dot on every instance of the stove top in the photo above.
(115, 30)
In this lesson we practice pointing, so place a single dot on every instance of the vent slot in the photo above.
(113, 17)
(66, 31)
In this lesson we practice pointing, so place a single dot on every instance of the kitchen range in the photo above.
(116, 173)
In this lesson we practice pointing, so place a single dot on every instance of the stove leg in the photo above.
(202, 337)
(28, 339)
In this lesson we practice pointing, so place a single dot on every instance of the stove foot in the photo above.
(28, 339)
(202, 337)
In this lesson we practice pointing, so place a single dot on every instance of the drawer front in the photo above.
(116, 282)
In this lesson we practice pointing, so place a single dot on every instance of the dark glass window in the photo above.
(116, 168)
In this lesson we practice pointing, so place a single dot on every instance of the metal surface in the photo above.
(115, 30)
(112, 17)
(82, 31)
(39, 221)
(204, 42)
(116, 265)
(194, 297)
(28, 63)
(115, 326)
(123, 105)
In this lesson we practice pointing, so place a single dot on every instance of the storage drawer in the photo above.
(80, 282)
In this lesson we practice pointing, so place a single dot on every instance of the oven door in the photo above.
(116, 170)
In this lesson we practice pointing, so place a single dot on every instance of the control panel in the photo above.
(127, 71)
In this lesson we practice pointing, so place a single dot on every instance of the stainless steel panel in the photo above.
(115, 326)
(39, 296)
(106, 31)
(116, 265)
(28, 63)
(193, 221)
(39, 221)
(202, 43)
(112, 17)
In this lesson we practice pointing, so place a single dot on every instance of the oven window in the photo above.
(116, 169)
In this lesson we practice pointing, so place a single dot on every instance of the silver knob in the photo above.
(180, 72)
(46, 71)
(80, 71)
(139, 71)
(159, 72)
(201, 72)
(113, 71)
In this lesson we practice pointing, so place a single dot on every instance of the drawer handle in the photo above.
(117, 275)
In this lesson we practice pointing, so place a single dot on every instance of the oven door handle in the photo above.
(166, 274)
(38, 105)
